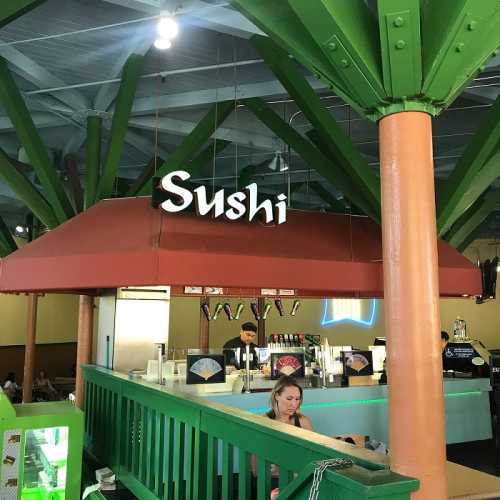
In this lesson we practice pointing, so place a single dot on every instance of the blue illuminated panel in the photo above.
(348, 311)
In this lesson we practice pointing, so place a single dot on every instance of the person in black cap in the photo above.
(248, 334)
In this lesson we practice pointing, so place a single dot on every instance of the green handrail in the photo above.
(164, 444)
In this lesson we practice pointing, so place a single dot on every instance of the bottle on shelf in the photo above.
(460, 330)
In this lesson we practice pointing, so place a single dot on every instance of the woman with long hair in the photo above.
(286, 398)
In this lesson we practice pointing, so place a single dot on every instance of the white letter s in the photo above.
(181, 193)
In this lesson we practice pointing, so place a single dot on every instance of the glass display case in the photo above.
(45, 463)
(41, 446)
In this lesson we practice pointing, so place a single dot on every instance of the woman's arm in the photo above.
(306, 423)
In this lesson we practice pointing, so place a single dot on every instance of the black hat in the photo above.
(249, 327)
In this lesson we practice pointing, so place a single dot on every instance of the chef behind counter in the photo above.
(234, 349)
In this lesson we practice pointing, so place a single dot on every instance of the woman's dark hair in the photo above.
(444, 336)
(11, 377)
(279, 387)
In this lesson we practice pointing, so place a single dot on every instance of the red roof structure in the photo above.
(126, 242)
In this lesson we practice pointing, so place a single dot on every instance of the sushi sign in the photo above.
(238, 205)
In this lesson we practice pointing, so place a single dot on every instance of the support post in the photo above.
(204, 340)
(411, 303)
(84, 349)
(29, 350)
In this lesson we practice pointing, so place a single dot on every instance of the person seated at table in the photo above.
(10, 386)
(43, 384)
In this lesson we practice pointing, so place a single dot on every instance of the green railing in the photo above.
(164, 444)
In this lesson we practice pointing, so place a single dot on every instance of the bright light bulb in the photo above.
(162, 43)
(167, 28)
(19, 229)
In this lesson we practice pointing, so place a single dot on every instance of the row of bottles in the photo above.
(284, 340)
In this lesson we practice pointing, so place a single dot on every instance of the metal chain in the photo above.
(321, 466)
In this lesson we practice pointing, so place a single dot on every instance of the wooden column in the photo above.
(84, 349)
(29, 350)
(204, 339)
(261, 324)
(411, 303)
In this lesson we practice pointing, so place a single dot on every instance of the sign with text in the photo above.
(174, 194)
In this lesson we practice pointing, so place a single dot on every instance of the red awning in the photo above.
(126, 242)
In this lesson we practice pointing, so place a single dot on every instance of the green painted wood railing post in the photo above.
(179, 442)
(263, 478)
(200, 463)
(169, 462)
(227, 471)
(212, 473)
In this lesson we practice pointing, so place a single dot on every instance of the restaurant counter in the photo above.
(363, 409)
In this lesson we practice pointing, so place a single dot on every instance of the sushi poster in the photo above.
(291, 364)
(205, 369)
(10, 465)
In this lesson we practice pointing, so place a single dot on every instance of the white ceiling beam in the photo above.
(75, 142)
(39, 76)
(41, 120)
(182, 127)
(107, 93)
(484, 95)
(148, 105)
(199, 13)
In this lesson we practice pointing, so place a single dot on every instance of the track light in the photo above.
(278, 163)
(167, 30)
(162, 44)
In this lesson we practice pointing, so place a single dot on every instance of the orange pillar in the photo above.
(411, 303)
(84, 349)
(29, 350)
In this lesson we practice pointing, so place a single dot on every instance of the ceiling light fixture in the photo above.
(167, 30)
(278, 163)
(167, 27)
(20, 229)
(162, 44)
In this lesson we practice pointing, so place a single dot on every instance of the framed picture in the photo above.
(205, 369)
(287, 363)
(357, 363)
